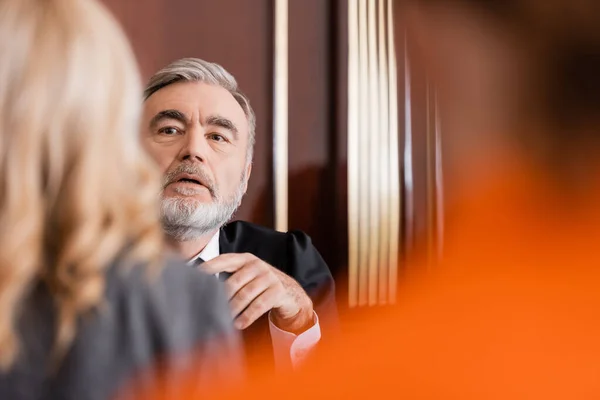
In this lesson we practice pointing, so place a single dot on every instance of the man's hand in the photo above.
(256, 287)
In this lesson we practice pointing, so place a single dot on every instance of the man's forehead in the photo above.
(192, 98)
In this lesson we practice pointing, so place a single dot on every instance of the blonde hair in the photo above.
(76, 190)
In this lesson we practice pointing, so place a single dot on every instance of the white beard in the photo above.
(186, 219)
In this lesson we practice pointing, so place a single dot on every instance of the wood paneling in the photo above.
(422, 213)
(311, 185)
(317, 134)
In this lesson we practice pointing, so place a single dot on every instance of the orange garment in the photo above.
(512, 312)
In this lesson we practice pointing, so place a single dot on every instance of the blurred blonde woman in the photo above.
(87, 300)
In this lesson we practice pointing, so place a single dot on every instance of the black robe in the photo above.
(293, 254)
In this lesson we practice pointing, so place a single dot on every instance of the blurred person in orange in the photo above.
(88, 297)
(511, 311)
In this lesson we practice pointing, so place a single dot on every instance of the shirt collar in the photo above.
(211, 250)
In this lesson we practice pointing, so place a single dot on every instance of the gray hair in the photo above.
(197, 70)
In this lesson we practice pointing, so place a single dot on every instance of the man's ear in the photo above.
(248, 172)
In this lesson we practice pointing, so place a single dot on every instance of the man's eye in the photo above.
(168, 131)
(217, 138)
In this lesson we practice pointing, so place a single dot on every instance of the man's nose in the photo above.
(196, 146)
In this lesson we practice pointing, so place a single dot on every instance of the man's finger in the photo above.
(250, 292)
(226, 263)
(240, 279)
(256, 309)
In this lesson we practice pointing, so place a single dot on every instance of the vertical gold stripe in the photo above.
(408, 178)
(384, 159)
(430, 174)
(353, 154)
(395, 200)
(373, 154)
(439, 181)
(280, 116)
(363, 155)
(374, 143)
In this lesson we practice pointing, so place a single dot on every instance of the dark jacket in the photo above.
(293, 254)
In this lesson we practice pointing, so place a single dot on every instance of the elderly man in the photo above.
(200, 129)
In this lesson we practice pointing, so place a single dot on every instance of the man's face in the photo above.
(198, 135)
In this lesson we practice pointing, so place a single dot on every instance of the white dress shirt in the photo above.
(289, 349)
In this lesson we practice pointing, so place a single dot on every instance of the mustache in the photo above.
(192, 169)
